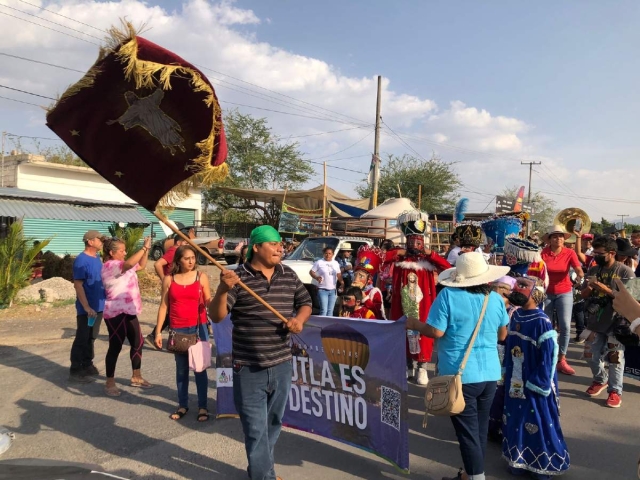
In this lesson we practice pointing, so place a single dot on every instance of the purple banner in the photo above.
(349, 383)
(632, 362)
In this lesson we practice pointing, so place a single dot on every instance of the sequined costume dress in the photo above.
(533, 438)
(416, 270)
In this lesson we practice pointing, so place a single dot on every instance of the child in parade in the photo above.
(352, 305)
(533, 440)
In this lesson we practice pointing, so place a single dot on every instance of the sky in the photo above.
(484, 85)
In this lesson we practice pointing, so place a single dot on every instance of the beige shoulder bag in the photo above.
(444, 393)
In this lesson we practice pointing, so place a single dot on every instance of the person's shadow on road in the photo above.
(38, 416)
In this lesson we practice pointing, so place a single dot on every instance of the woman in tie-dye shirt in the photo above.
(122, 307)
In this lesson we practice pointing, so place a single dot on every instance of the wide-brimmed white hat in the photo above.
(556, 229)
(471, 269)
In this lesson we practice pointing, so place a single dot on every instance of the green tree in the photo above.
(544, 208)
(258, 160)
(439, 182)
(130, 234)
(17, 255)
(60, 154)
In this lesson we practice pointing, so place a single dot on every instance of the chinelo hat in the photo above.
(556, 229)
(471, 269)
(624, 247)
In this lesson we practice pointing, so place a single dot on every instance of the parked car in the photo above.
(310, 250)
(232, 248)
(205, 237)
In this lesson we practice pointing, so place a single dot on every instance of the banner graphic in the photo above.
(348, 384)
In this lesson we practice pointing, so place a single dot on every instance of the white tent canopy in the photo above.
(386, 214)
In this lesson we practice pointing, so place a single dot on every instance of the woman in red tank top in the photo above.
(187, 294)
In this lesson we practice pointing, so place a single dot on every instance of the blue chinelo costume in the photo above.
(533, 438)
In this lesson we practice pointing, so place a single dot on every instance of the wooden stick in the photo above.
(204, 252)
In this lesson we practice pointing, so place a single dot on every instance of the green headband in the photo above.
(261, 234)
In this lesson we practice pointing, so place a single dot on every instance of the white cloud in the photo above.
(224, 37)
(478, 129)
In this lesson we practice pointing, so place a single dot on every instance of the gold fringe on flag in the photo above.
(123, 44)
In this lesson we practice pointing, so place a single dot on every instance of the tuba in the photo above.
(568, 217)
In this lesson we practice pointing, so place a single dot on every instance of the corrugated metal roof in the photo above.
(54, 197)
(15, 207)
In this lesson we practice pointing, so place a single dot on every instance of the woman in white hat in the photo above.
(559, 260)
(452, 320)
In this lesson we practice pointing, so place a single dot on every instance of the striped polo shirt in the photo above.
(259, 337)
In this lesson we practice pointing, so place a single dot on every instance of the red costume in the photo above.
(368, 263)
(362, 312)
(414, 285)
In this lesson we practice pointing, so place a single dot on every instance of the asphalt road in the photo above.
(132, 436)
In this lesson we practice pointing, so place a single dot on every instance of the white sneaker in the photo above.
(422, 378)
(411, 373)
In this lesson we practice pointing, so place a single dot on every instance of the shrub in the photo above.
(55, 266)
(130, 235)
(17, 256)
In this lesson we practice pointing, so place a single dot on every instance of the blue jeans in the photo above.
(327, 299)
(562, 304)
(472, 426)
(601, 350)
(182, 373)
(260, 396)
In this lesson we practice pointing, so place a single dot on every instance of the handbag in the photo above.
(181, 342)
(200, 356)
(444, 393)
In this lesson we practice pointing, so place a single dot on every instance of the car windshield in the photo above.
(311, 248)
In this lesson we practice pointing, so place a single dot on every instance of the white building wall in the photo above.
(82, 182)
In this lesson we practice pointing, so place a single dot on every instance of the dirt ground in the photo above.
(53, 321)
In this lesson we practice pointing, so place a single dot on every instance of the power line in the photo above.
(50, 21)
(324, 133)
(20, 101)
(271, 98)
(49, 28)
(292, 105)
(286, 96)
(61, 15)
(33, 138)
(28, 93)
(42, 63)
(337, 168)
(344, 149)
(403, 142)
(285, 113)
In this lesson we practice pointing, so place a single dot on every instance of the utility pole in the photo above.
(373, 202)
(4, 134)
(622, 219)
(324, 202)
(531, 164)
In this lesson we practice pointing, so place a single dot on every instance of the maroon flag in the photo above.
(146, 120)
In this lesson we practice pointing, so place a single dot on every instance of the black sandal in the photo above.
(203, 417)
(178, 414)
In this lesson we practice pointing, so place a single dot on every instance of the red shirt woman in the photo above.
(559, 259)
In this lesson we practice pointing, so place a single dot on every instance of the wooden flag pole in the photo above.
(206, 254)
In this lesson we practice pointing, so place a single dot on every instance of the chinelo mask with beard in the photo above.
(360, 279)
(526, 288)
(517, 299)
(415, 244)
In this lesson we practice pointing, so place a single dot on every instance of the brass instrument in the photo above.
(567, 219)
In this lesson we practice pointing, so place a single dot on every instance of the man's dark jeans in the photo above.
(260, 396)
(472, 425)
(82, 349)
(578, 316)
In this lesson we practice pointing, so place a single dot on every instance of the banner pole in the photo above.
(204, 252)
